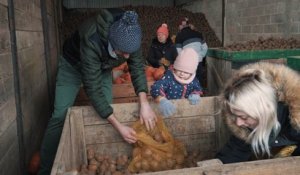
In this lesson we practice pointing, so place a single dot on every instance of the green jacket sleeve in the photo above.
(92, 75)
(137, 72)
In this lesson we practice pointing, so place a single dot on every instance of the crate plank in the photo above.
(122, 93)
(71, 151)
(77, 138)
(62, 156)
(289, 165)
(129, 111)
(105, 133)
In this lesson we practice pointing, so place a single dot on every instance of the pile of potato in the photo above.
(150, 18)
(99, 164)
(151, 161)
(156, 150)
(265, 44)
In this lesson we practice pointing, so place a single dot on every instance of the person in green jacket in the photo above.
(100, 44)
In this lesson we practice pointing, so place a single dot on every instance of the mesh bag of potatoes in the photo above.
(156, 150)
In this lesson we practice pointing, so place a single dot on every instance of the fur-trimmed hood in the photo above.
(287, 85)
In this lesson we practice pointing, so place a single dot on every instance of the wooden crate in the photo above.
(122, 93)
(199, 127)
(221, 64)
(85, 129)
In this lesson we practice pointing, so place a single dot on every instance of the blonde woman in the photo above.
(261, 105)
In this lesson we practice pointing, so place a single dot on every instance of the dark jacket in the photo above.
(87, 50)
(168, 87)
(159, 50)
(187, 37)
(286, 83)
(237, 150)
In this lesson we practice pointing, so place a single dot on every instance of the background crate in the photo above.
(122, 93)
(221, 63)
(294, 62)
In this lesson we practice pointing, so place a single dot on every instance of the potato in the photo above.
(99, 157)
(170, 163)
(179, 158)
(145, 165)
(93, 162)
(136, 151)
(156, 157)
(117, 173)
(112, 168)
(154, 166)
(158, 138)
(90, 154)
(138, 165)
(147, 153)
(92, 167)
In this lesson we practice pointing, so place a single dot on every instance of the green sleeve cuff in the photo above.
(104, 113)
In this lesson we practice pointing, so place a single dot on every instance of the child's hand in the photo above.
(194, 99)
(164, 62)
(167, 108)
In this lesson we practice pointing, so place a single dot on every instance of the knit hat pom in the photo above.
(163, 29)
(130, 18)
(126, 34)
(186, 61)
(164, 25)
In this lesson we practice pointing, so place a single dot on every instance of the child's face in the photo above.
(122, 54)
(162, 38)
(182, 75)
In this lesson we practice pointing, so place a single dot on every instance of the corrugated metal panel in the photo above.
(70, 4)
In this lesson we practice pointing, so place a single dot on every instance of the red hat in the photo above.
(163, 29)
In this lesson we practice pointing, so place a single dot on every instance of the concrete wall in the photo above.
(249, 19)
(30, 97)
(114, 3)
(9, 155)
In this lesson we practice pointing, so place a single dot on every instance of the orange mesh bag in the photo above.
(156, 150)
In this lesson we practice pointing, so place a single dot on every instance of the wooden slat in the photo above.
(205, 142)
(7, 114)
(71, 150)
(281, 166)
(63, 154)
(129, 99)
(122, 93)
(78, 148)
(190, 125)
(222, 132)
(125, 90)
(10, 162)
(129, 111)
(105, 133)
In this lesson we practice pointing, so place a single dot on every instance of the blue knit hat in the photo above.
(125, 34)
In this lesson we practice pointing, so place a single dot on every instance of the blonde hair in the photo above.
(253, 94)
